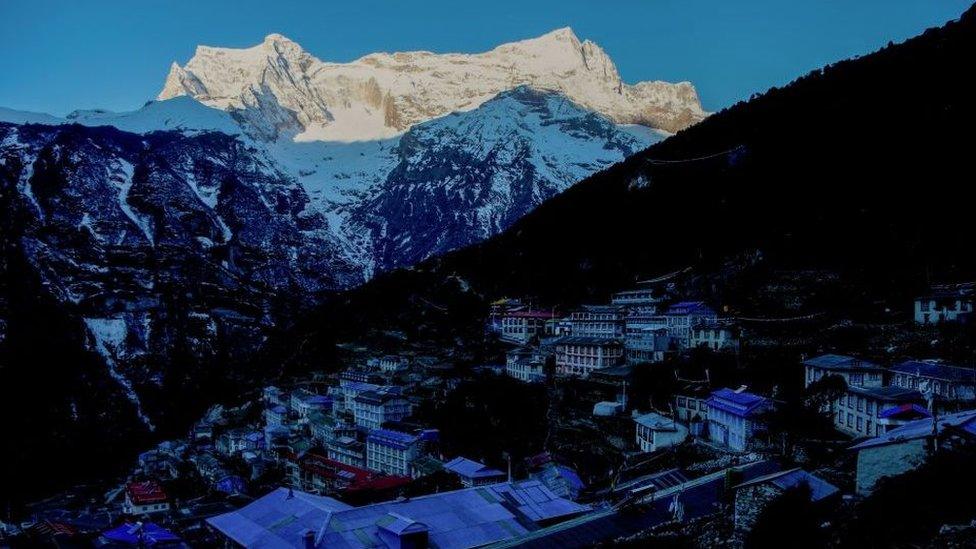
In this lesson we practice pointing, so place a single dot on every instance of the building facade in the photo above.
(945, 305)
(604, 321)
(943, 381)
(522, 327)
(372, 409)
(733, 418)
(391, 452)
(525, 365)
(579, 356)
(681, 317)
(654, 432)
(855, 371)
(867, 411)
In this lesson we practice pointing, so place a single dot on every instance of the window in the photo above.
(850, 419)
(681, 402)
(867, 427)
(860, 424)
(869, 407)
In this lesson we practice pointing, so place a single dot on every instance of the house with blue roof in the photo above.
(734, 417)
(473, 473)
(140, 534)
(459, 519)
(752, 497)
(943, 381)
(562, 480)
(681, 317)
(391, 452)
(855, 371)
(905, 448)
(873, 411)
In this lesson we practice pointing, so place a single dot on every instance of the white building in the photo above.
(304, 402)
(580, 356)
(525, 365)
(717, 336)
(372, 409)
(145, 498)
(682, 316)
(873, 411)
(734, 418)
(522, 327)
(691, 410)
(643, 298)
(905, 448)
(389, 364)
(347, 450)
(646, 338)
(391, 452)
(945, 305)
(943, 381)
(855, 371)
(655, 432)
(606, 321)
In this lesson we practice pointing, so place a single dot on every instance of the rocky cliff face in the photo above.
(163, 242)
(278, 89)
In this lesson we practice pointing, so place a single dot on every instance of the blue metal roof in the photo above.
(922, 428)
(741, 404)
(469, 468)
(840, 362)
(391, 439)
(458, 519)
(935, 370)
(140, 534)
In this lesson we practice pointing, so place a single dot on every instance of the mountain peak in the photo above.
(280, 90)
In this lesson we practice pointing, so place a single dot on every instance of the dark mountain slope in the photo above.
(864, 167)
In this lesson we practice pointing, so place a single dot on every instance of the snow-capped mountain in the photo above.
(174, 237)
(278, 89)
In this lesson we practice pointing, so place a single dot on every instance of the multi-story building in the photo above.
(372, 409)
(692, 410)
(276, 415)
(522, 327)
(580, 355)
(873, 411)
(390, 364)
(644, 298)
(606, 321)
(946, 304)
(684, 315)
(855, 371)
(717, 336)
(347, 450)
(526, 365)
(645, 342)
(273, 396)
(326, 428)
(931, 377)
(655, 432)
(345, 393)
(391, 452)
(304, 402)
(733, 417)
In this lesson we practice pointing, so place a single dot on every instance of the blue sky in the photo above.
(62, 55)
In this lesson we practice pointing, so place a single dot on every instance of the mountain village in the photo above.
(345, 460)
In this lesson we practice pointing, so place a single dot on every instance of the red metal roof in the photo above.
(149, 491)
